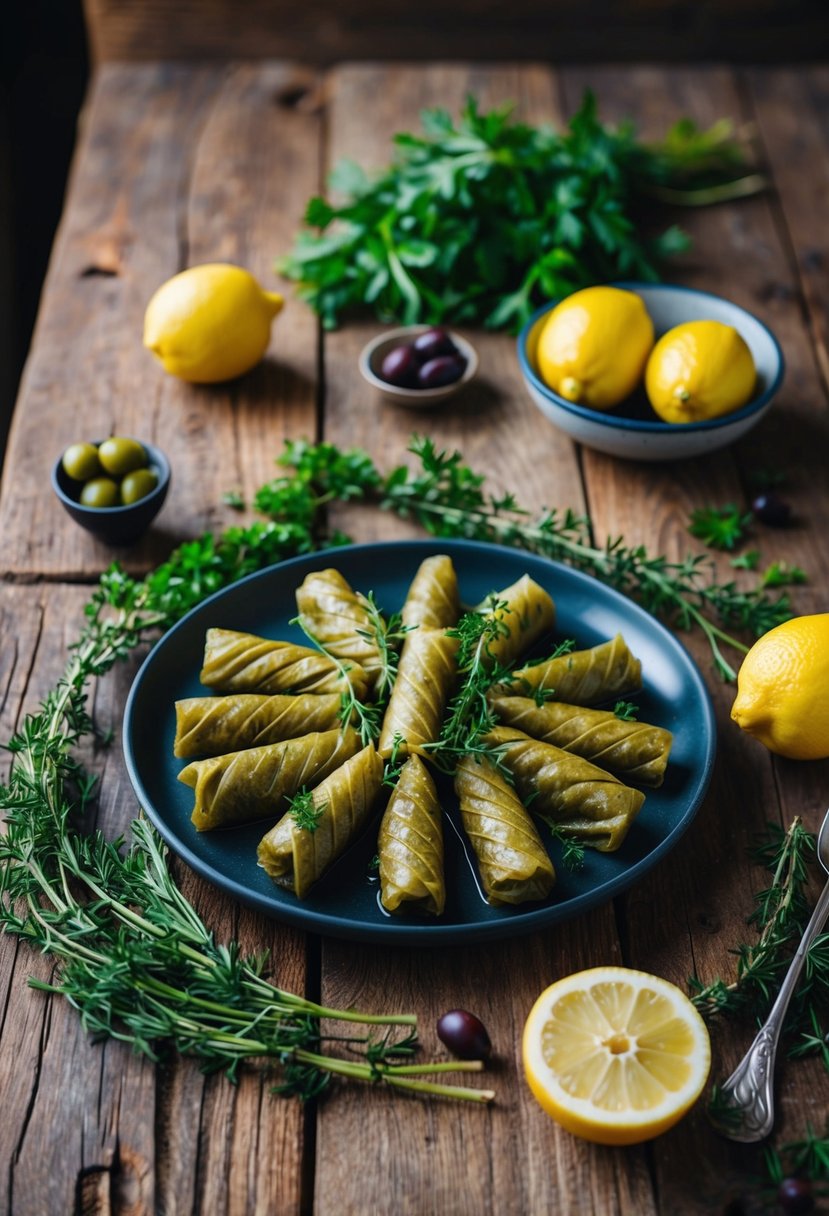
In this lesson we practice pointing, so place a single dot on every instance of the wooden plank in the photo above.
(447, 1157)
(704, 890)
(180, 149)
(326, 32)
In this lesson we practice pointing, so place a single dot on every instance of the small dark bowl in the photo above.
(115, 525)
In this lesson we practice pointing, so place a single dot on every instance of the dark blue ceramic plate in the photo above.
(345, 903)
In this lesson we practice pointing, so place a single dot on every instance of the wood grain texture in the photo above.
(452, 1158)
(704, 889)
(567, 31)
(176, 166)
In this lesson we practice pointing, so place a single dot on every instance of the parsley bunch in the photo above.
(481, 221)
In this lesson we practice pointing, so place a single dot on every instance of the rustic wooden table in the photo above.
(184, 164)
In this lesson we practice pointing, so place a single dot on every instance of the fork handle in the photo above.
(749, 1090)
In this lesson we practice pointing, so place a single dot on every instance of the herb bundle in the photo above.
(483, 220)
(447, 498)
(135, 958)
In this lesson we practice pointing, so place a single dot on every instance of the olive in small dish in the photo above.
(113, 488)
(418, 365)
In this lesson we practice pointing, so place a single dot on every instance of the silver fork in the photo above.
(749, 1091)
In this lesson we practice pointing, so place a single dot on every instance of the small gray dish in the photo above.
(375, 351)
(115, 525)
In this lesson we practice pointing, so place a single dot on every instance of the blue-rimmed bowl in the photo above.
(632, 430)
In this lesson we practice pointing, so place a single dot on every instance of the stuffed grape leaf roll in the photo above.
(578, 797)
(243, 662)
(296, 855)
(633, 750)
(253, 784)
(527, 612)
(513, 864)
(340, 620)
(583, 677)
(212, 726)
(425, 677)
(433, 600)
(410, 844)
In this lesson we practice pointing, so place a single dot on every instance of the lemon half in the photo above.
(210, 323)
(615, 1055)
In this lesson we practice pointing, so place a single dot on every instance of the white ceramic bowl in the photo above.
(632, 430)
(374, 352)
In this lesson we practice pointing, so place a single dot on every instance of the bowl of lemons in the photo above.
(650, 371)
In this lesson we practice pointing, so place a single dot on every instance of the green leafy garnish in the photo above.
(720, 527)
(781, 574)
(303, 811)
(626, 711)
(479, 221)
(746, 561)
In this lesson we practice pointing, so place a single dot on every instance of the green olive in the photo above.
(138, 485)
(100, 492)
(120, 456)
(80, 461)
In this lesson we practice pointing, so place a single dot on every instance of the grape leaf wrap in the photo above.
(433, 600)
(243, 662)
(582, 799)
(297, 857)
(528, 613)
(584, 677)
(512, 862)
(339, 619)
(253, 784)
(634, 750)
(410, 844)
(425, 677)
(212, 726)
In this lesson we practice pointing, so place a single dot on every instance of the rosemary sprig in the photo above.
(780, 914)
(134, 957)
(365, 717)
(572, 849)
(449, 499)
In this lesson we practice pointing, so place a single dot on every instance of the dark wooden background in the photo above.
(46, 47)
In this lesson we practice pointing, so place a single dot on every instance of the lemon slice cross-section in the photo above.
(615, 1055)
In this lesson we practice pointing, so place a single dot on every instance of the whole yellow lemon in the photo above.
(699, 370)
(782, 696)
(593, 346)
(210, 323)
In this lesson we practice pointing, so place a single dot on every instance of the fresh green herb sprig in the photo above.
(304, 811)
(572, 848)
(446, 497)
(481, 221)
(626, 711)
(780, 914)
(133, 955)
(365, 716)
(720, 527)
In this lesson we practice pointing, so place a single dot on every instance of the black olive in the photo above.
(771, 509)
(400, 367)
(445, 369)
(795, 1196)
(464, 1035)
(432, 343)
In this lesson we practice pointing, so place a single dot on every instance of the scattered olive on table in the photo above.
(430, 361)
(795, 1196)
(115, 473)
(464, 1035)
(771, 509)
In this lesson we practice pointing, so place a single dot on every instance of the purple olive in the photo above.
(433, 342)
(795, 1196)
(400, 367)
(771, 509)
(445, 369)
(464, 1035)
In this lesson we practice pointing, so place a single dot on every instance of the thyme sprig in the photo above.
(134, 957)
(780, 914)
(446, 497)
